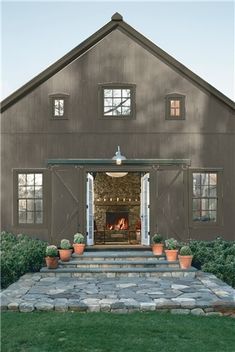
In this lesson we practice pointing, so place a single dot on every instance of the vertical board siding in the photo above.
(206, 136)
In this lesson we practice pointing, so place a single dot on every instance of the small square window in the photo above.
(58, 106)
(175, 107)
(117, 101)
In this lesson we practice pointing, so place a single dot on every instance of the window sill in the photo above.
(31, 226)
(204, 225)
(175, 118)
(59, 118)
(122, 118)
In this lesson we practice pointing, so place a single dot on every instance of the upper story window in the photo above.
(58, 106)
(175, 107)
(117, 101)
(206, 197)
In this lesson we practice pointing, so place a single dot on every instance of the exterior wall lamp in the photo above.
(118, 157)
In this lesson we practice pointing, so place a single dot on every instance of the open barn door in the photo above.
(65, 202)
(90, 210)
(144, 208)
(172, 203)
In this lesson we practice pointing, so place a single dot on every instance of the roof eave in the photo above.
(173, 62)
(58, 65)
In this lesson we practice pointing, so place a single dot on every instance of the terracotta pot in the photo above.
(171, 254)
(79, 248)
(185, 261)
(65, 254)
(157, 248)
(52, 262)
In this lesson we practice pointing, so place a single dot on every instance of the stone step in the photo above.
(118, 255)
(114, 248)
(76, 263)
(119, 272)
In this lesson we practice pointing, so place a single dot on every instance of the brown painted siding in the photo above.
(207, 136)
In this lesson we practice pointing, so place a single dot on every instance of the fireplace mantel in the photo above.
(115, 204)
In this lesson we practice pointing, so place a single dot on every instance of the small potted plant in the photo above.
(51, 257)
(157, 246)
(78, 243)
(171, 250)
(65, 250)
(185, 257)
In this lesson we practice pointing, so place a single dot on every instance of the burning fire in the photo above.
(121, 224)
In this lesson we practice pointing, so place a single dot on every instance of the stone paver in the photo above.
(203, 295)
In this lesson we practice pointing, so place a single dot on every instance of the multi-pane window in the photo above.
(117, 102)
(30, 198)
(175, 107)
(58, 107)
(205, 197)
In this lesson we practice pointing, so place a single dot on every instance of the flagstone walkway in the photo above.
(203, 295)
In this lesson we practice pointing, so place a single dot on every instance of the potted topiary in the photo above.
(65, 250)
(51, 257)
(185, 257)
(171, 250)
(157, 246)
(78, 243)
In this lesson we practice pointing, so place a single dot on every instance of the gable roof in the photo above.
(116, 22)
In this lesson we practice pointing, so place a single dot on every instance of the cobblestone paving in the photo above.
(203, 295)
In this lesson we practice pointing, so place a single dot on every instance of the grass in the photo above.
(104, 332)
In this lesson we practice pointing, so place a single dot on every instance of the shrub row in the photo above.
(19, 254)
(216, 257)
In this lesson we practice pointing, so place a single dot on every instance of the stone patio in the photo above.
(203, 295)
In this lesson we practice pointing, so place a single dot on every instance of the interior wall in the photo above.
(116, 194)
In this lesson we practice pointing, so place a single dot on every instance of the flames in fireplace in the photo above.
(117, 220)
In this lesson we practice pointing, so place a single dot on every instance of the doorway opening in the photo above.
(118, 208)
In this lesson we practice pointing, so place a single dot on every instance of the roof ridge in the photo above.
(116, 22)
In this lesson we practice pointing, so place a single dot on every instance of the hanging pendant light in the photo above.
(116, 174)
(118, 157)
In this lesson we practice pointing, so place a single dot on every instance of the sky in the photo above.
(199, 34)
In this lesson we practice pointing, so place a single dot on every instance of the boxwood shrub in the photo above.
(216, 257)
(19, 254)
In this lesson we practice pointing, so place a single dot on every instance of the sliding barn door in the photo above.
(64, 220)
(144, 206)
(90, 210)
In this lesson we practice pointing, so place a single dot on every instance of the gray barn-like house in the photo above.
(61, 130)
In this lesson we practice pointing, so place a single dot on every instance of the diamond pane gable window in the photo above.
(117, 102)
(58, 107)
(30, 198)
(205, 197)
(175, 107)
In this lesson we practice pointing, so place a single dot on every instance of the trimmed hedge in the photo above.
(216, 257)
(19, 254)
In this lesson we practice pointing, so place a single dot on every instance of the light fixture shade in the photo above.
(118, 156)
(116, 174)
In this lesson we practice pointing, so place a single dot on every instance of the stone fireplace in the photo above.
(117, 201)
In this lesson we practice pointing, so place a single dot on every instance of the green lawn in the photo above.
(103, 332)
